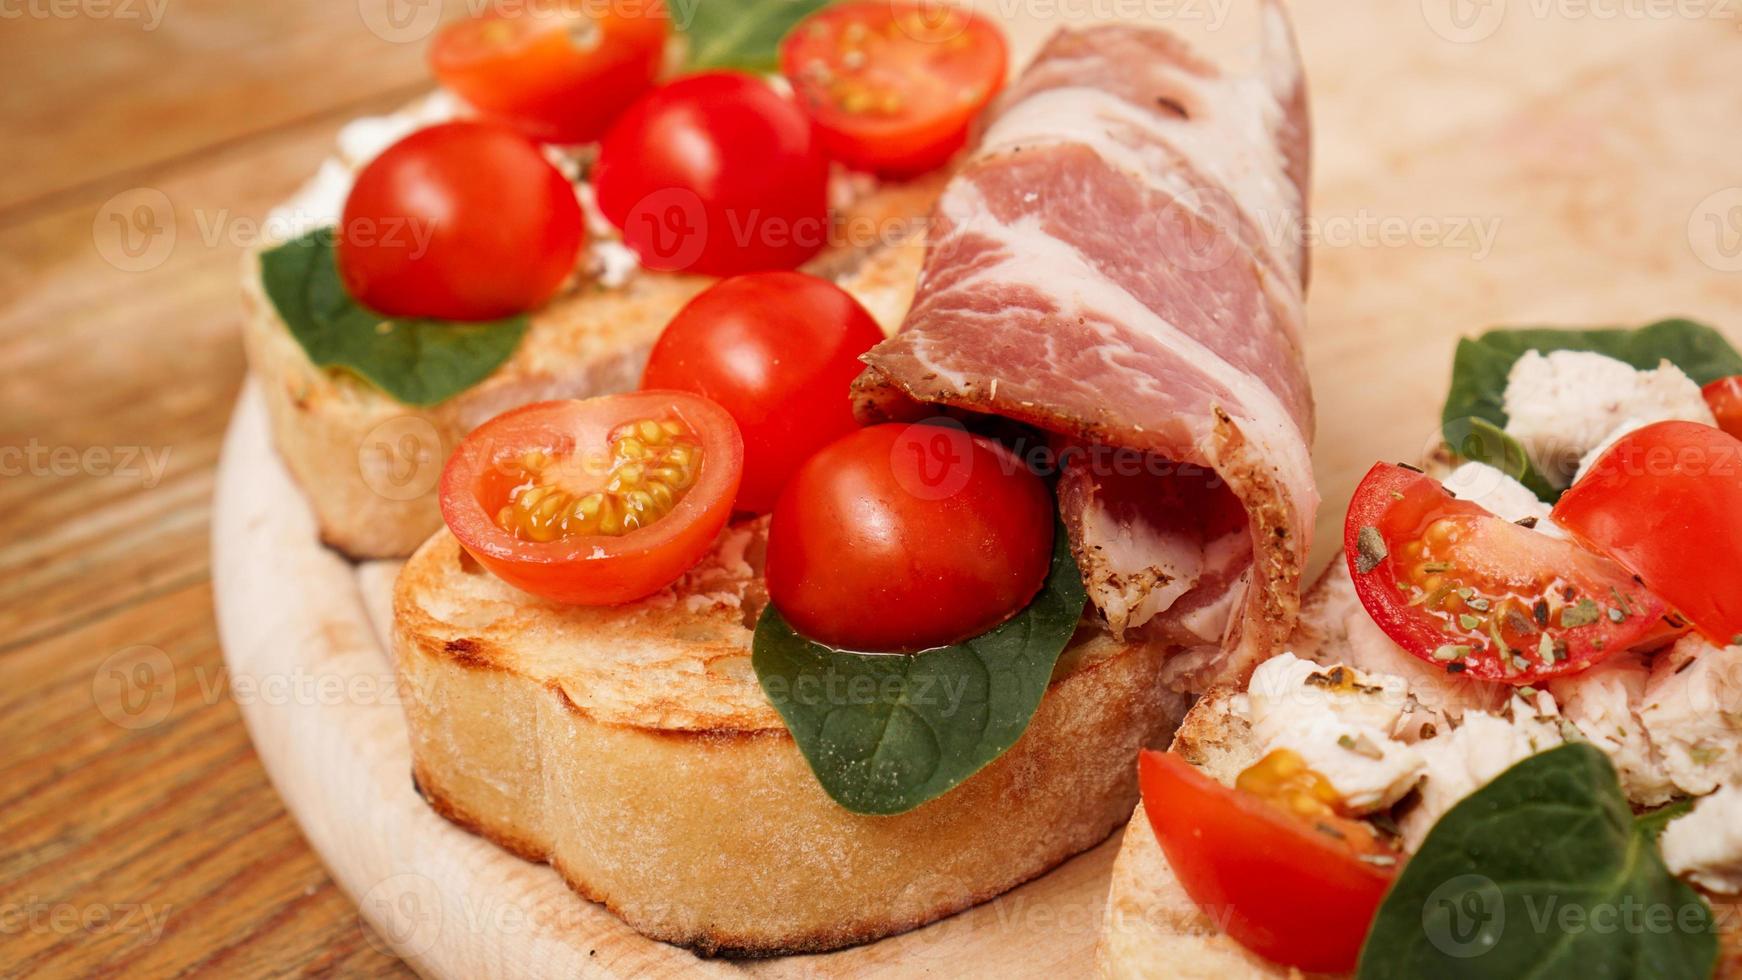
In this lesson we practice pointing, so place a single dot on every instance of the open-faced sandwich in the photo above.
(1507, 738)
(821, 636)
(521, 235)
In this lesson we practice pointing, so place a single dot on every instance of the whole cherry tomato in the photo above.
(716, 174)
(905, 537)
(461, 221)
(779, 350)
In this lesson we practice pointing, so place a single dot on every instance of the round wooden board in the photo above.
(1534, 166)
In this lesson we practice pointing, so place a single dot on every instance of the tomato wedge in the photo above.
(1455, 585)
(1292, 890)
(595, 502)
(1666, 501)
(894, 85)
(1724, 396)
(559, 71)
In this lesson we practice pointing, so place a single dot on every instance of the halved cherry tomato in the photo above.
(559, 71)
(1666, 501)
(778, 350)
(905, 537)
(1295, 891)
(1457, 586)
(716, 174)
(1724, 396)
(595, 502)
(461, 221)
(894, 85)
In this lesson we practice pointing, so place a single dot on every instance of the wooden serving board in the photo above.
(1479, 162)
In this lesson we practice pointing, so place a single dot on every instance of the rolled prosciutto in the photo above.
(1121, 265)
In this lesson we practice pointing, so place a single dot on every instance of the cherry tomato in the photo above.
(779, 350)
(1294, 891)
(1725, 398)
(894, 85)
(716, 174)
(559, 71)
(905, 537)
(1457, 586)
(595, 502)
(462, 221)
(1666, 501)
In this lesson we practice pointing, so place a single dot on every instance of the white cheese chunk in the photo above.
(1562, 405)
(1602, 702)
(1692, 711)
(1339, 721)
(1500, 494)
(1705, 846)
(1464, 760)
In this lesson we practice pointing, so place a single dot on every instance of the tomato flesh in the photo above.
(1724, 397)
(779, 350)
(898, 538)
(1294, 890)
(716, 174)
(894, 86)
(560, 72)
(1666, 501)
(595, 502)
(1457, 586)
(461, 221)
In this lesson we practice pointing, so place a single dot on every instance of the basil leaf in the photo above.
(1653, 822)
(1542, 873)
(742, 34)
(419, 362)
(1480, 368)
(886, 732)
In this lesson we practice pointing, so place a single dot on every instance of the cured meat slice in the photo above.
(1121, 263)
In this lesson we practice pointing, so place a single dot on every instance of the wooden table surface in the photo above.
(138, 832)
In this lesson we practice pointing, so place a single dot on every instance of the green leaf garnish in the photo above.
(886, 732)
(742, 34)
(1542, 873)
(1474, 417)
(419, 362)
(1653, 822)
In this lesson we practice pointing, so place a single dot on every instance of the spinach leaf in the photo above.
(419, 362)
(1652, 823)
(886, 732)
(742, 34)
(1474, 414)
(1542, 873)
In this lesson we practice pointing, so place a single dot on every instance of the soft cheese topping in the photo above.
(1562, 405)
(1705, 846)
(1340, 722)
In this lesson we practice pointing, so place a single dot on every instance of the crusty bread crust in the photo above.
(369, 465)
(633, 750)
(1153, 929)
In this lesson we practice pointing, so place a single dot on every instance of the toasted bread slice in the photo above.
(369, 465)
(1152, 928)
(633, 749)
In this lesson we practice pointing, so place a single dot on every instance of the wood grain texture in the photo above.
(1603, 147)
